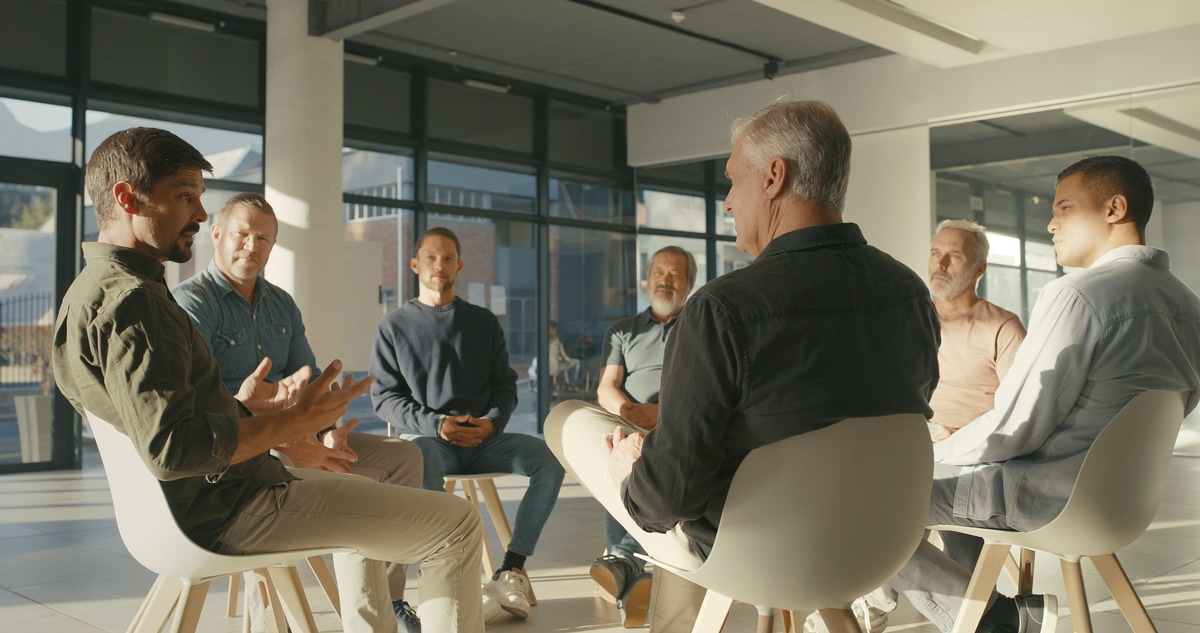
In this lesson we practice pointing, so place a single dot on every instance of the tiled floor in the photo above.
(64, 568)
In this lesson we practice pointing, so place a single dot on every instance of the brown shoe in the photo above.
(635, 604)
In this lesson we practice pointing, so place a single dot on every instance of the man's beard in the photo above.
(437, 284)
(179, 251)
(663, 305)
(952, 287)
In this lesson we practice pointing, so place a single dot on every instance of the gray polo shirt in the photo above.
(637, 343)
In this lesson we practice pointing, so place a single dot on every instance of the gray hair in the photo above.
(810, 138)
(976, 231)
(677, 250)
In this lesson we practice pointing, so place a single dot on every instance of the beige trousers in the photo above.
(575, 434)
(384, 523)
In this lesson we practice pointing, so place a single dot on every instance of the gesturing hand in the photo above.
(261, 396)
(323, 400)
(307, 452)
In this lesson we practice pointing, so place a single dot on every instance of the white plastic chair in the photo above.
(816, 520)
(1114, 499)
(185, 570)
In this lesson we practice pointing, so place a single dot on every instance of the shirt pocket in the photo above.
(234, 354)
(281, 333)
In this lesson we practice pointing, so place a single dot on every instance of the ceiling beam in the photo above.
(343, 19)
(891, 26)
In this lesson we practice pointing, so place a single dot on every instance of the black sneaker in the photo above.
(611, 574)
(634, 604)
(1038, 613)
(407, 616)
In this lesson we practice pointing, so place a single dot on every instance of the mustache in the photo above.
(670, 289)
(194, 228)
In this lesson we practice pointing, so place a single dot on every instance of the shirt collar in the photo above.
(1144, 254)
(143, 265)
(224, 286)
(840, 234)
(647, 317)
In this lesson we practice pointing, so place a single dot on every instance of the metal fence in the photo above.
(26, 322)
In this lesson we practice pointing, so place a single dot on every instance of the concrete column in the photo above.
(303, 169)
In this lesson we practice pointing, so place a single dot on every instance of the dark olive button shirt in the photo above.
(126, 352)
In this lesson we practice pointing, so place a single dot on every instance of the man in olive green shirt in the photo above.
(126, 352)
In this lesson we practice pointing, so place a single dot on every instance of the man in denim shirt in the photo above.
(252, 325)
(819, 328)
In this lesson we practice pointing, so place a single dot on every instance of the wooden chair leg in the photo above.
(840, 621)
(1081, 618)
(788, 619)
(713, 612)
(273, 614)
(327, 582)
(1025, 579)
(1122, 591)
(291, 595)
(979, 590)
(232, 602)
(158, 606)
(191, 601)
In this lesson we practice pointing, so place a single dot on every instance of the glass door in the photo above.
(38, 429)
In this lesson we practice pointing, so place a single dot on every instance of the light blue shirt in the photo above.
(241, 333)
(1097, 338)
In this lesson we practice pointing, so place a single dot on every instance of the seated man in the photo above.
(246, 320)
(628, 387)
(979, 338)
(979, 341)
(560, 362)
(125, 351)
(1097, 338)
(760, 354)
(442, 379)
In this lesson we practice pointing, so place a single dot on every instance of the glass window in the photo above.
(681, 173)
(593, 284)
(185, 61)
(27, 236)
(731, 258)
(1037, 280)
(476, 184)
(235, 156)
(480, 117)
(581, 136)
(1003, 249)
(1004, 287)
(580, 199)
(37, 38)
(377, 174)
(35, 130)
(724, 221)
(1040, 256)
(377, 98)
(667, 210)
(394, 232)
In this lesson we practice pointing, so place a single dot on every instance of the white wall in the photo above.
(890, 193)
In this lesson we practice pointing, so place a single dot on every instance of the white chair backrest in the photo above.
(143, 517)
(821, 518)
(1121, 481)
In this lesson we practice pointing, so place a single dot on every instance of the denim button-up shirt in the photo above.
(241, 333)
(819, 328)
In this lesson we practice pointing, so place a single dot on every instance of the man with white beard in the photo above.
(979, 339)
(628, 387)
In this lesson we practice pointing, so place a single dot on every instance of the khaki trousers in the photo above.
(575, 434)
(384, 523)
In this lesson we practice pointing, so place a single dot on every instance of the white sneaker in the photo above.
(509, 592)
(491, 608)
(871, 620)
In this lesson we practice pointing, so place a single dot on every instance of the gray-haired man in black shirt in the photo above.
(781, 347)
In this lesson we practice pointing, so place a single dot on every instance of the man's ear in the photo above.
(215, 231)
(460, 265)
(125, 197)
(775, 178)
(412, 265)
(1117, 209)
(980, 270)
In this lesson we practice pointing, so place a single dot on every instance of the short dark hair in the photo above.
(676, 250)
(440, 231)
(141, 156)
(1107, 176)
(248, 199)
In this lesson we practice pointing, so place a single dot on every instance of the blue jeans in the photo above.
(515, 453)
(618, 542)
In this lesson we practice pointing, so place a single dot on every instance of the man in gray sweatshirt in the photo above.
(443, 381)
